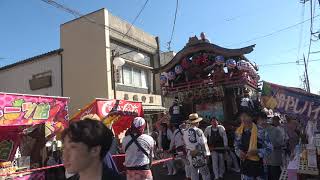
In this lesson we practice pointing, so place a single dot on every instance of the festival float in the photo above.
(27, 122)
(209, 79)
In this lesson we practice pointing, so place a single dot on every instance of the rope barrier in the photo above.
(156, 162)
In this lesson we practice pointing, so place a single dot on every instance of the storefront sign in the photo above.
(292, 101)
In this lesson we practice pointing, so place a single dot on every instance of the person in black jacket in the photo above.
(86, 143)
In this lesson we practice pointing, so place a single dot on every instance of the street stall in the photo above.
(115, 114)
(304, 107)
(27, 122)
(209, 79)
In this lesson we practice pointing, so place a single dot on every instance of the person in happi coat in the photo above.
(197, 148)
(138, 149)
(252, 145)
(218, 144)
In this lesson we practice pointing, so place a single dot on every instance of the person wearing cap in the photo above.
(252, 145)
(218, 143)
(138, 149)
(197, 148)
(178, 149)
(273, 160)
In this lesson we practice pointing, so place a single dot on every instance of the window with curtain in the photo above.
(127, 75)
(135, 77)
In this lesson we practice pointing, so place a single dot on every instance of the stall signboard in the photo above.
(116, 113)
(25, 110)
(292, 101)
(19, 112)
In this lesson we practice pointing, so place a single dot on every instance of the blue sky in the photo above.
(29, 28)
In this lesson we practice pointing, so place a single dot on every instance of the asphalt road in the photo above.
(160, 173)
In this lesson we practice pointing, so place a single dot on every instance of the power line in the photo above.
(78, 14)
(284, 63)
(315, 52)
(311, 30)
(137, 16)
(272, 33)
(301, 29)
(173, 26)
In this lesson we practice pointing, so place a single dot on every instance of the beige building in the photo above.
(83, 70)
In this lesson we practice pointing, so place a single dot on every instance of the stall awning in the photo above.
(118, 113)
(149, 108)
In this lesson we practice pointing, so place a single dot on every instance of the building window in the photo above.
(136, 77)
(41, 80)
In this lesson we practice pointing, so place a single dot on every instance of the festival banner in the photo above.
(116, 113)
(28, 110)
(292, 101)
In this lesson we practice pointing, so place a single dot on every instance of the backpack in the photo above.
(165, 142)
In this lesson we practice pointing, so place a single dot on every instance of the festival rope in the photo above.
(156, 162)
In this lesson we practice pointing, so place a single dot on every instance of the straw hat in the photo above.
(194, 118)
(91, 116)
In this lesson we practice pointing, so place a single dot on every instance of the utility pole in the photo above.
(306, 74)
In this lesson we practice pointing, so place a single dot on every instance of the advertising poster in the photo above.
(292, 101)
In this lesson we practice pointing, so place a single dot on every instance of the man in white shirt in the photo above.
(197, 148)
(138, 148)
(218, 143)
(177, 147)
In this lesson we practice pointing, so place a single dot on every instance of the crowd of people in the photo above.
(259, 148)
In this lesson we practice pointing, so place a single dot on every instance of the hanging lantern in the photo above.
(231, 63)
(118, 61)
(257, 78)
(242, 65)
(171, 75)
(185, 63)
(163, 79)
(219, 60)
(178, 69)
(138, 57)
(165, 74)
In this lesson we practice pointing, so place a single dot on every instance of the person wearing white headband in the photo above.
(138, 148)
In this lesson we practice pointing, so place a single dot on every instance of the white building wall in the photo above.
(16, 79)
